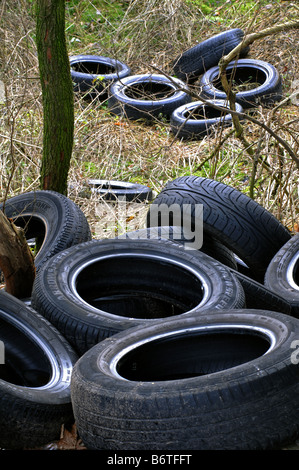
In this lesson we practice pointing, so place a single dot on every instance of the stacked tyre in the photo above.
(93, 75)
(184, 345)
(282, 274)
(50, 220)
(36, 365)
(221, 381)
(151, 341)
(209, 378)
(100, 288)
(36, 361)
(153, 96)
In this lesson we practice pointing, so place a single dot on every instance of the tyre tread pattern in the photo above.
(236, 220)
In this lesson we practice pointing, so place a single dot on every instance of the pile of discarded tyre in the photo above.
(154, 95)
(159, 339)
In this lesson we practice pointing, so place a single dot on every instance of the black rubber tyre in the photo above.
(197, 119)
(147, 96)
(227, 380)
(35, 377)
(51, 221)
(282, 274)
(195, 61)
(261, 75)
(210, 246)
(236, 220)
(102, 287)
(95, 74)
(114, 190)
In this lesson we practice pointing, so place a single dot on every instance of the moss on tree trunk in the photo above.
(57, 93)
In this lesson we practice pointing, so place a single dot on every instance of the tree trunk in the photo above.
(16, 259)
(57, 92)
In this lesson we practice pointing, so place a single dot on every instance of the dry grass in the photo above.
(148, 37)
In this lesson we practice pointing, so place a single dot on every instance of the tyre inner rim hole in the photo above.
(203, 112)
(25, 364)
(93, 68)
(149, 91)
(34, 229)
(242, 79)
(136, 287)
(190, 355)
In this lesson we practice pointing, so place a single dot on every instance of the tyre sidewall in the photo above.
(201, 57)
(181, 126)
(221, 204)
(85, 81)
(120, 103)
(279, 279)
(51, 343)
(269, 91)
(115, 190)
(54, 286)
(64, 223)
(101, 356)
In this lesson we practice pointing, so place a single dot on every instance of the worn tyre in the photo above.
(52, 222)
(147, 96)
(236, 220)
(112, 190)
(227, 380)
(35, 375)
(94, 74)
(102, 287)
(198, 119)
(195, 61)
(282, 274)
(261, 80)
